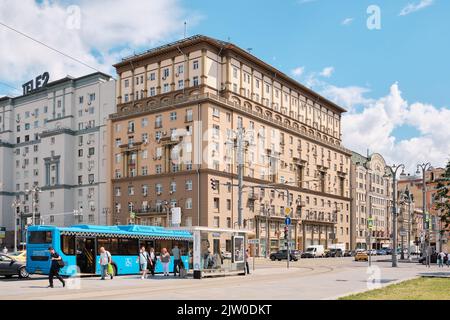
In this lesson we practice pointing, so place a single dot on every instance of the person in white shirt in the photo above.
(143, 259)
(105, 260)
(441, 257)
(5, 250)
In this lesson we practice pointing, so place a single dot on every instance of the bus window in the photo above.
(114, 247)
(129, 247)
(68, 245)
(105, 243)
(39, 237)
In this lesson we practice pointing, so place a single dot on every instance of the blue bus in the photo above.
(79, 247)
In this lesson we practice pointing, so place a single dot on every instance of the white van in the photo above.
(314, 251)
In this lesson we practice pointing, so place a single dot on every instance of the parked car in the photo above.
(372, 252)
(11, 267)
(314, 251)
(381, 252)
(334, 253)
(388, 251)
(282, 255)
(349, 253)
(19, 256)
(361, 256)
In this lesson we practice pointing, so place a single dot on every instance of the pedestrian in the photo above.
(5, 250)
(152, 261)
(441, 257)
(165, 260)
(105, 261)
(176, 260)
(448, 259)
(56, 264)
(246, 262)
(143, 260)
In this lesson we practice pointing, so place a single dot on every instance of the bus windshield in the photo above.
(40, 237)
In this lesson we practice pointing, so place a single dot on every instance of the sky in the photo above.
(385, 61)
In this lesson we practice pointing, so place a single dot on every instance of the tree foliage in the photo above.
(442, 197)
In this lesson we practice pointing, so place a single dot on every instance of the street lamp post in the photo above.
(34, 201)
(15, 205)
(422, 168)
(393, 173)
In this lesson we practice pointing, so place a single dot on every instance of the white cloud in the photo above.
(347, 21)
(298, 71)
(413, 7)
(373, 127)
(108, 31)
(327, 72)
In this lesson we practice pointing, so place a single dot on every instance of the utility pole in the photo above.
(15, 205)
(288, 217)
(422, 168)
(393, 173)
(240, 159)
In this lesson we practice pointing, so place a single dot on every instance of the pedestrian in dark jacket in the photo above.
(54, 268)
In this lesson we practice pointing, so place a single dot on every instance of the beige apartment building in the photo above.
(371, 198)
(179, 108)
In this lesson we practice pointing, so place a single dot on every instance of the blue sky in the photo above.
(394, 81)
(413, 49)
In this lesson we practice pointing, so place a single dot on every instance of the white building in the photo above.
(55, 138)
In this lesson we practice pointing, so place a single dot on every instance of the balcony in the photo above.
(149, 212)
(253, 196)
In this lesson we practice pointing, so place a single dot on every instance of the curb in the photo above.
(366, 290)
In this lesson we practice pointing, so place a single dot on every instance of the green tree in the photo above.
(442, 197)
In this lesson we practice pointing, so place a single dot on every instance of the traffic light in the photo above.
(213, 184)
(286, 232)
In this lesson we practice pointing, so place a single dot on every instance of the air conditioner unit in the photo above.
(158, 193)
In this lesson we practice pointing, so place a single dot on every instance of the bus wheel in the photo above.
(114, 270)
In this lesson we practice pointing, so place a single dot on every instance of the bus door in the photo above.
(86, 254)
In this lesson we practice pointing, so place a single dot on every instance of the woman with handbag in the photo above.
(57, 263)
(165, 260)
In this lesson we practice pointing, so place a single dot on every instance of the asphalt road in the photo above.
(306, 279)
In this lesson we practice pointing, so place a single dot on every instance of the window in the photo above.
(188, 203)
(166, 87)
(152, 91)
(189, 185)
(91, 151)
(39, 237)
(195, 64)
(80, 152)
(91, 178)
(130, 190)
(127, 83)
(152, 76)
(235, 70)
(173, 116)
(216, 222)
(216, 203)
(180, 84)
(68, 244)
(180, 69)
(165, 73)
(195, 80)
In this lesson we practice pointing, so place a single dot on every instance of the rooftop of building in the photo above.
(57, 82)
(223, 46)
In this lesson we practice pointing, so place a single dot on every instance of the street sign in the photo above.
(370, 223)
(403, 233)
(176, 216)
(287, 211)
(287, 221)
(253, 241)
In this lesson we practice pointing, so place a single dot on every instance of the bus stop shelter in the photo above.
(217, 252)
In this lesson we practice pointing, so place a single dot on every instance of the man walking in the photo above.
(144, 260)
(176, 260)
(54, 268)
(247, 267)
(441, 257)
(105, 260)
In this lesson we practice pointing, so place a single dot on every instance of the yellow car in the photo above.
(361, 256)
(20, 256)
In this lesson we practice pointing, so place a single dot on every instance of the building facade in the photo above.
(371, 198)
(180, 110)
(414, 184)
(53, 141)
